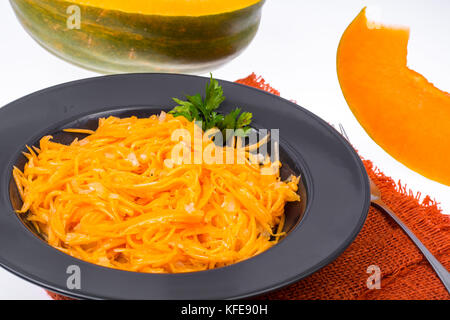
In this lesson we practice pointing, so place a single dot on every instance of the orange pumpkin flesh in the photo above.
(169, 7)
(403, 112)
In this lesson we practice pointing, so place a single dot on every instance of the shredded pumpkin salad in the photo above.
(114, 199)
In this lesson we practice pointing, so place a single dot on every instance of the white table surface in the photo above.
(295, 50)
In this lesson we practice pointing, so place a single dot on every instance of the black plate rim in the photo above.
(332, 256)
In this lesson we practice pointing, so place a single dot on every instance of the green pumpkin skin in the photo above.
(115, 42)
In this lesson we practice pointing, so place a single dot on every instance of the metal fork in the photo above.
(376, 201)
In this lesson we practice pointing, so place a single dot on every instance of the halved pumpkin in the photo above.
(404, 113)
(142, 35)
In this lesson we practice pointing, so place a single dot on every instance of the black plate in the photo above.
(335, 189)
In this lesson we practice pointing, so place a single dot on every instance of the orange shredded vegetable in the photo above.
(112, 199)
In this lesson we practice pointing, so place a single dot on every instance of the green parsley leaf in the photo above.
(197, 108)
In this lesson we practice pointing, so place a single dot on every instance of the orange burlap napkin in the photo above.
(405, 273)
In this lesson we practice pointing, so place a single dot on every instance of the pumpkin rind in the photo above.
(403, 112)
(112, 41)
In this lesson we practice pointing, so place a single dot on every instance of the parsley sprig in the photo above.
(204, 109)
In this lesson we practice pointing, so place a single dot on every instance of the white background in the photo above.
(295, 50)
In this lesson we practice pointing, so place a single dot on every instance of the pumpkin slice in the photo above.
(403, 112)
(169, 7)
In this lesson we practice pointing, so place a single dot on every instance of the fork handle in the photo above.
(441, 271)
